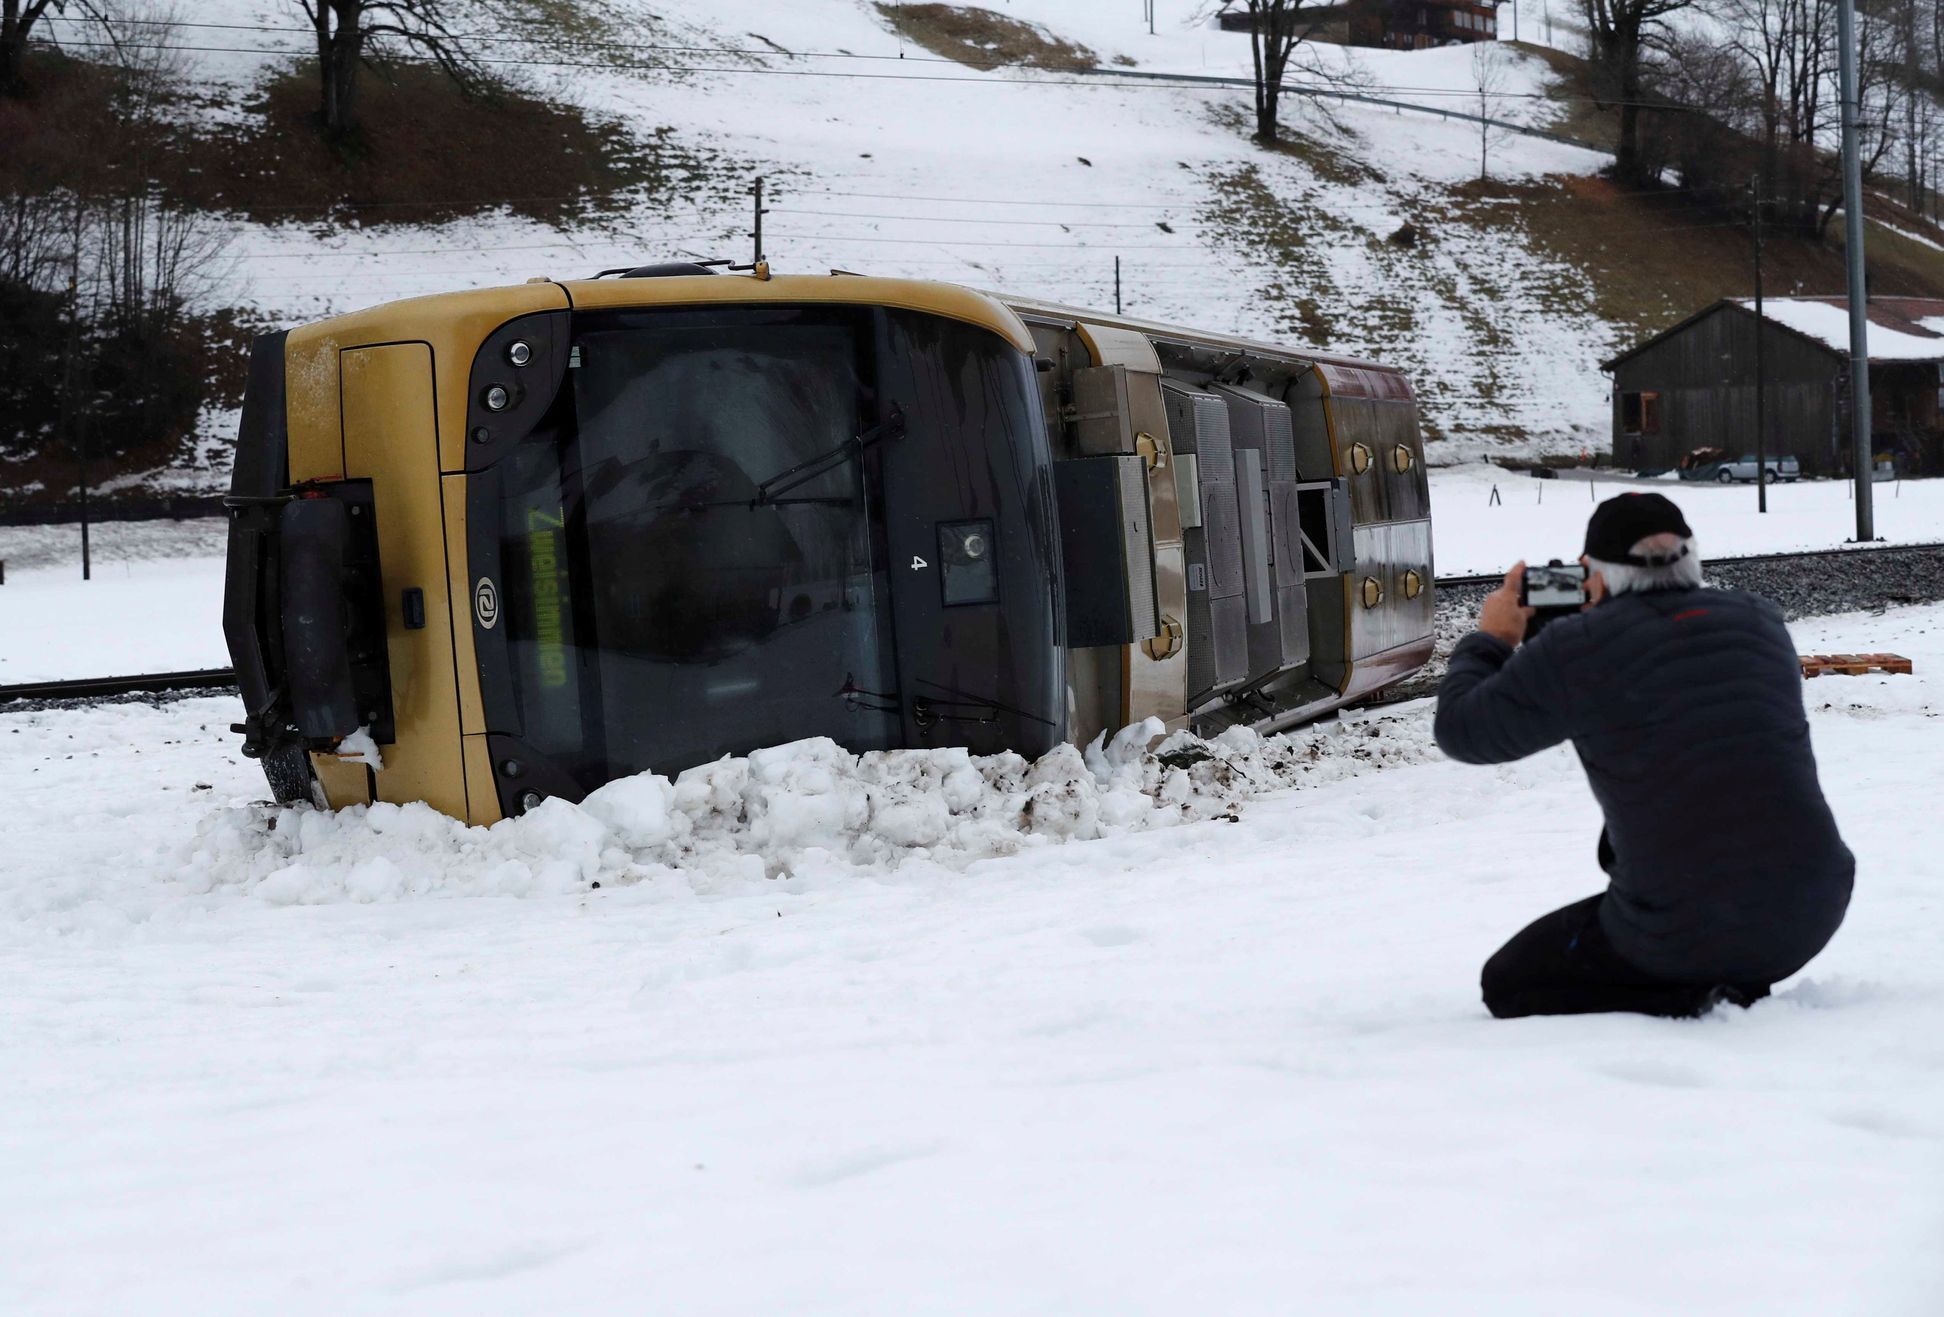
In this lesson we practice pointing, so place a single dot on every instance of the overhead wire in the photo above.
(1107, 79)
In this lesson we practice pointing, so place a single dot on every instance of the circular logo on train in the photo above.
(486, 602)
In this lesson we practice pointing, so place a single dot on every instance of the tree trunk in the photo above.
(11, 50)
(1626, 155)
(14, 27)
(344, 88)
(1261, 14)
(339, 52)
(1909, 36)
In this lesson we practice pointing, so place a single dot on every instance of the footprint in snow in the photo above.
(1655, 1074)
(859, 1161)
(1878, 1121)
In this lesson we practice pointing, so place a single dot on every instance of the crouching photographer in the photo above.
(1685, 706)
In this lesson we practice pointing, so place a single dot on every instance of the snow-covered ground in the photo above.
(1540, 519)
(155, 604)
(1215, 1067)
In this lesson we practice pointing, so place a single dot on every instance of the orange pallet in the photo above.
(1853, 665)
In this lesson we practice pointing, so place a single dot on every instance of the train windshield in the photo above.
(702, 544)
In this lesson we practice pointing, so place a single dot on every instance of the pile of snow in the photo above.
(807, 807)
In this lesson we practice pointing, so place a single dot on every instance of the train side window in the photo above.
(1313, 527)
(1640, 413)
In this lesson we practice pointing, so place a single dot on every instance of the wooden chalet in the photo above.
(1693, 385)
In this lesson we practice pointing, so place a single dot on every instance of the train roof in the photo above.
(1002, 313)
(1030, 307)
(949, 300)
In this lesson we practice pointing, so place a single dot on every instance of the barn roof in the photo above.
(1900, 328)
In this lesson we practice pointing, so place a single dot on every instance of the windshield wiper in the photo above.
(892, 427)
(929, 709)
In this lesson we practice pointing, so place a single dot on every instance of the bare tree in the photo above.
(1276, 29)
(102, 279)
(17, 21)
(1715, 154)
(1880, 97)
(1489, 78)
(1623, 33)
(351, 33)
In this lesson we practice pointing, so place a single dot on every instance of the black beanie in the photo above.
(1625, 520)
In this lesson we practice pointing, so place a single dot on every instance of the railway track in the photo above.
(1791, 555)
(86, 689)
(101, 688)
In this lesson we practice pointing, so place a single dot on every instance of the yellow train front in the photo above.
(492, 547)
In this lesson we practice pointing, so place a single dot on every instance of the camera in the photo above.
(1552, 592)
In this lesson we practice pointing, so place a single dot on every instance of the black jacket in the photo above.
(1686, 709)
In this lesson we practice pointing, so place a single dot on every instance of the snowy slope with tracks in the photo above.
(883, 158)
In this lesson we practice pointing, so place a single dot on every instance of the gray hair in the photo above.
(1672, 563)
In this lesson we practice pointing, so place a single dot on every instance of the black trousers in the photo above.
(1562, 964)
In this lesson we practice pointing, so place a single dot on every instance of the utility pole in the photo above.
(1859, 309)
(1149, 6)
(81, 439)
(1515, 20)
(71, 420)
(1117, 299)
(757, 235)
(1761, 377)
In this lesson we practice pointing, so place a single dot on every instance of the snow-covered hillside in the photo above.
(884, 158)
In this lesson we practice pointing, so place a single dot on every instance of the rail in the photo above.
(1783, 555)
(101, 688)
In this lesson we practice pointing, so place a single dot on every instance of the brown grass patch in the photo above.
(1332, 166)
(1577, 113)
(1653, 258)
(426, 151)
(54, 137)
(983, 39)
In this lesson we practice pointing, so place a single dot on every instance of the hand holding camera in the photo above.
(1533, 596)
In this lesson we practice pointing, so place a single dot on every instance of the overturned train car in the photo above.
(528, 540)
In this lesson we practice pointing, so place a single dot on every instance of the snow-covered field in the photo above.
(155, 604)
(1214, 1067)
(1540, 519)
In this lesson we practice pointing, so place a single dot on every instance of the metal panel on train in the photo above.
(1263, 438)
(1218, 622)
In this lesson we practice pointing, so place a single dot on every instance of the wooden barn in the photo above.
(1390, 24)
(1417, 24)
(1693, 386)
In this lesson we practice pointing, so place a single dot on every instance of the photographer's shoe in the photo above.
(1743, 995)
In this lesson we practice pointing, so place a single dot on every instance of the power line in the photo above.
(1107, 79)
(1105, 250)
(998, 201)
(974, 219)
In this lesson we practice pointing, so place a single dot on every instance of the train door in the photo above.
(969, 539)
